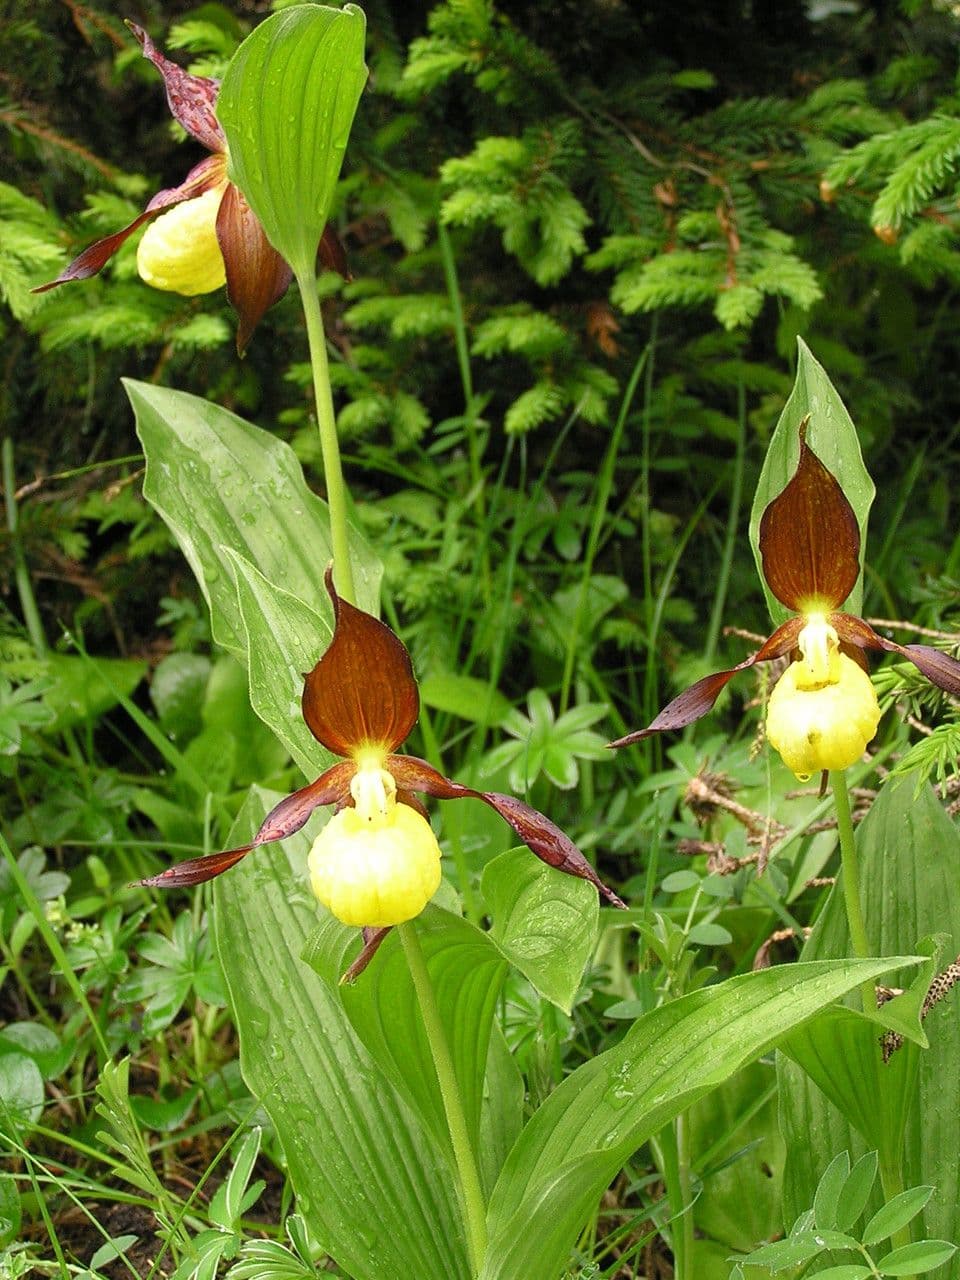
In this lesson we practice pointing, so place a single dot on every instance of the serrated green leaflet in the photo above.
(286, 106)
(833, 438)
(369, 1178)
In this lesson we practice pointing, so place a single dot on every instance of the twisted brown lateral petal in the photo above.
(201, 178)
(191, 98)
(332, 787)
(362, 691)
(939, 668)
(809, 538)
(696, 701)
(537, 832)
(257, 276)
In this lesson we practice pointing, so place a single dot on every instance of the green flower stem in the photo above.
(850, 877)
(474, 1208)
(329, 443)
(28, 603)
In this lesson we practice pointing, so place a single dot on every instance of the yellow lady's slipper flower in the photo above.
(823, 711)
(377, 862)
(213, 237)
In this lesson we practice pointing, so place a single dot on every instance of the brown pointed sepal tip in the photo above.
(809, 538)
(372, 939)
(362, 692)
(196, 870)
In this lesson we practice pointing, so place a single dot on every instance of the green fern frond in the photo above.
(543, 402)
(520, 331)
(362, 416)
(932, 249)
(684, 278)
(936, 754)
(738, 306)
(203, 332)
(413, 315)
(588, 389)
(929, 166)
(200, 36)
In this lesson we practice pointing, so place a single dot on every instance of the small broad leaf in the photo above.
(828, 1192)
(286, 106)
(856, 1191)
(544, 922)
(896, 1213)
(914, 1259)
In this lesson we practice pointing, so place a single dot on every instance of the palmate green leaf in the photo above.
(590, 1126)
(833, 438)
(286, 105)
(370, 1179)
(910, 886)
(544, 922)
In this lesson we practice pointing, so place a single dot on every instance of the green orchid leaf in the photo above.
(833, 438)
(544, 922)
(220, 483)
(286, 106)
(467, 973)
(285, 638)
(594, 1121)
(236, 500)
(370, 1180)
(909, 853)
(740, 1199)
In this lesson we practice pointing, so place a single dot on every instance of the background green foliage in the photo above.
(584, 237)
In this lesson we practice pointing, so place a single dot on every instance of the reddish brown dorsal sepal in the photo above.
(362, 692)
(700, 698)
(283, 820)
(537, 832)
(192, 99)
(257, 276)
(809, 538)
